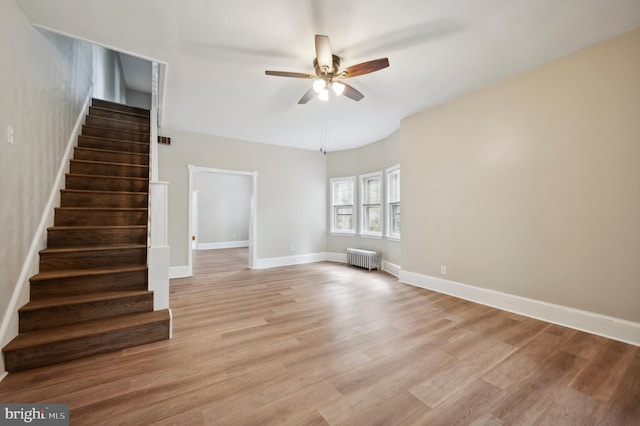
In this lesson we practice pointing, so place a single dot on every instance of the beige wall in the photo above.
(375, 157)
(291, 191)
(45, 80)
(224, 207)
(532, 186)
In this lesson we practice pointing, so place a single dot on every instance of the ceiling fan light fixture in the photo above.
(337, 87)
(319, 86)
(328, 73)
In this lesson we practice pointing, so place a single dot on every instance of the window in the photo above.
(371, 204)
(342, 208)
(393, 201)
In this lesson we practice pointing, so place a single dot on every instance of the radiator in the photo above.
(363, 258)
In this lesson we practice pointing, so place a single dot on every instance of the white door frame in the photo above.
(193, 224)
(253, 214)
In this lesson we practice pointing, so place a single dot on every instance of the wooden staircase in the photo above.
(90, 295)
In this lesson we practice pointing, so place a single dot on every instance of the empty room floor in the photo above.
(327, 343)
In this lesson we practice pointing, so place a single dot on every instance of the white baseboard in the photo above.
(180, 272)
(289, 260)
(337, 257)
(391, 268)
(20, 295)
(222, 245)
(590, 322)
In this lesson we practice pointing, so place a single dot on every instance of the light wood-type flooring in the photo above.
(326, 343)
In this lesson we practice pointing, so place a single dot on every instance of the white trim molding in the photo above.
(299, 259)
(590, 322)
(222, 245)
(337, 257)
(391, 268)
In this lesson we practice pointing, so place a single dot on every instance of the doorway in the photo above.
(195, 175)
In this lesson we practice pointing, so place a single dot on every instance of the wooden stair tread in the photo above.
(115, 140)
(132, 209)
(105, 177)
(71, 273)
(141, 166)
(133, 114)
(107, 163)
(117, 131)
(115, 120)
(85, 328)
(52, 302)
(97, 191)
(50, 250)
(111, 151)
(118, 107)
(93, 227)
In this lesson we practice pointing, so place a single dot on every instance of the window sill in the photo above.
(372, 236)
(390, 238)
(343, 234)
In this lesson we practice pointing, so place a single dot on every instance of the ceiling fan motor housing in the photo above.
(327, 74)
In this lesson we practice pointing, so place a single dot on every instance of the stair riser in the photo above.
(99, 169)
(103, 199)
(119, 281)
(117, 115)
(83, 238)
(115, 134)
(99, 183)
(113, 145)
(119, 107)
(108, 123)
(92, 259)
(111, 157)
(65, 217)
(69, 314)
(85, 346)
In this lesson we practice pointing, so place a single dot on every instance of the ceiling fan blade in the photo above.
(366, 67)
(307, 96)
(289, 74)
(323, 52)
(352, 93)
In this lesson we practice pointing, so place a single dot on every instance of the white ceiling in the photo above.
(216, 53)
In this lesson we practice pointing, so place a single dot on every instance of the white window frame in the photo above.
(390, 203)
(334, 207)
(364, 204)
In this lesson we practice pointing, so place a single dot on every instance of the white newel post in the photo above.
(158, 253)
(158, 244)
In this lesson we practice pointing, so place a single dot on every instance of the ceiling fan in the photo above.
(329, 75)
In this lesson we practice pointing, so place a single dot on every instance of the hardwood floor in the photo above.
(330, 344)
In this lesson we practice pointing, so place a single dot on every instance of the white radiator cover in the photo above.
(363, 258)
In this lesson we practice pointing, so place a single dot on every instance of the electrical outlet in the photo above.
(443, 269)
(292, 248)
(10, 135)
